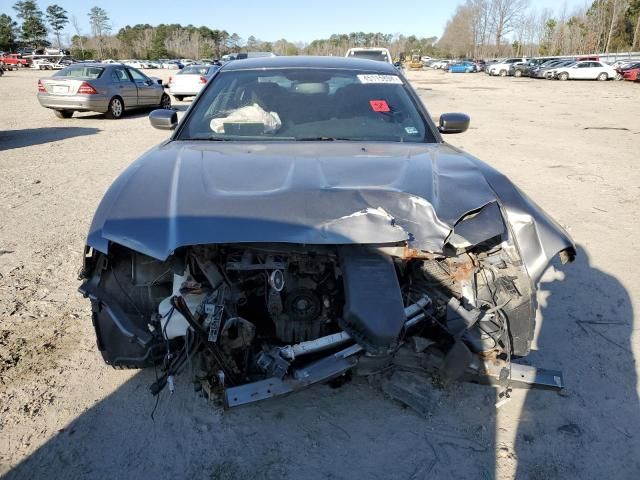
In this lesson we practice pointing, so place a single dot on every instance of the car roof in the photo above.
(311, 62)
(97, 64)
(367, 49)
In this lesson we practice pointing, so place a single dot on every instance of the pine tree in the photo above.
(100, 26)
(8, 30)
(33, 30)
(57, 18)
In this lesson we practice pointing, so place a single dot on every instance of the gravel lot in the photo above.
(572, 146)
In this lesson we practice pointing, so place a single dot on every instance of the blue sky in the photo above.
(300, 20)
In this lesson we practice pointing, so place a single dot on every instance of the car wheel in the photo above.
(563, 76)
(603, 77)
(517, 73)
(115, 110)
(619, 76)
(165, 102)
(63, 113)
(503, 73)
(179, 97)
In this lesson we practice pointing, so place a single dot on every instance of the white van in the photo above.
(380, 54)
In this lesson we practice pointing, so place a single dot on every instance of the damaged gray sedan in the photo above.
(305, 219)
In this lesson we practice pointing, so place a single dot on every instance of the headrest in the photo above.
(311, 88)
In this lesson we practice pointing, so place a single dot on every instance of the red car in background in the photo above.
(14, 60)
(623, 69)
(632, 74)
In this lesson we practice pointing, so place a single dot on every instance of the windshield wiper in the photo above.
(238, 138)
(205, 139)
(319, 139)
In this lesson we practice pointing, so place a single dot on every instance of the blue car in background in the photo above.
(463, 67)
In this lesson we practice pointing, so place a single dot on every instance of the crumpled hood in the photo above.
(192, 193)
(189, 193)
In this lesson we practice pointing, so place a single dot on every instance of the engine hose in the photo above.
(181, 306)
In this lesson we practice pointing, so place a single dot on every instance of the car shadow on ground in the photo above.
(588, 323)
(355, 431)
(319, 433)
(10, 139)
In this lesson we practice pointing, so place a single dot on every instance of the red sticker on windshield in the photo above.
(379, 106)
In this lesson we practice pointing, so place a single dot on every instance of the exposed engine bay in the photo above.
(253, 321)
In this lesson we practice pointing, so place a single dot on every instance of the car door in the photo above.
(124, 86)
(580, 71)
(149, 92)
(587, 71)
(595, 69)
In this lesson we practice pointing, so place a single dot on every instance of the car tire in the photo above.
(63, 113)
(503, 73)
(603, 77)
(115, 110)
(619, 76)
(165, 102)
(179, 97)
(517, 73)
(563, 76)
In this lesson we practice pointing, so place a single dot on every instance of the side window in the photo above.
(596, 64)
(583, 65)
(137, 76)
(119, 75)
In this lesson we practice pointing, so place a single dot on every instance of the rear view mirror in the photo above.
(163, 119)
(453, 123)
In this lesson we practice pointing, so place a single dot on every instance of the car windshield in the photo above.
(306, 104)
(80, 71)
(379, 55)
(195, 70)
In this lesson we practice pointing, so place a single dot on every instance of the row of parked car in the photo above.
(180, 63)
(166, 63)
(552, 68)
(565, 68)
(458, 66)
(60, 60)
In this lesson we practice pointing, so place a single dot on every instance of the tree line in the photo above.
(477, 29)
(144, 41)
(492, 28)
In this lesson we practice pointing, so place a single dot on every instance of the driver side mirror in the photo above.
(453, 123)
(163, 119)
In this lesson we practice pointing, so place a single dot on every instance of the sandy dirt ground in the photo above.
(572, 146)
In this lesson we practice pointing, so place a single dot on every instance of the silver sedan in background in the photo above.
(109, 88)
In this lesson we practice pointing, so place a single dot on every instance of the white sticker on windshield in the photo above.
(394, 79)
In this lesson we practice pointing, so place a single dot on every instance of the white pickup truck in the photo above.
(380, 54)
